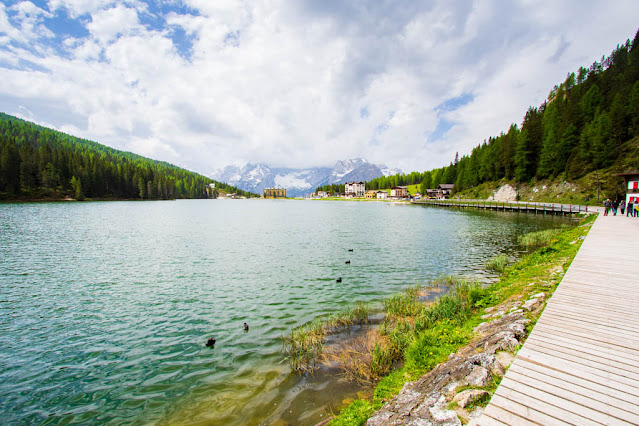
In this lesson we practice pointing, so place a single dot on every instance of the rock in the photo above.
(450, 390)
(479, 377)
(531, 304)
(380, 418)
(505, 193)
(541, 296)
(481, 327)
(470, 396)
(489, 309)
(504, 359)
(442, 415)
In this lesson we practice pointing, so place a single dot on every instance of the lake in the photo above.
(105, 307)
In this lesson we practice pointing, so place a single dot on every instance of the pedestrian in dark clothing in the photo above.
(622, 206)
(607, 206)
(630, 210)
(615, 206)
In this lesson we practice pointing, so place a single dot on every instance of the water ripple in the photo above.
(105, 308)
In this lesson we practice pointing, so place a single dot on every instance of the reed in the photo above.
(404, 304)
(539, 238)
(497, 264)
(305, 344)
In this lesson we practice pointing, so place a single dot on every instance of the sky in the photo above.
(208, 83)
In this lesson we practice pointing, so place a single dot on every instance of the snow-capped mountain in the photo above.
(256, 177)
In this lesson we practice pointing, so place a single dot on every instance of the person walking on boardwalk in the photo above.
(622, 206)
(636, 208)
(606, 206)
(615, 206)
(629, 209)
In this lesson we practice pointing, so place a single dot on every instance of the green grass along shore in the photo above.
(422, 336)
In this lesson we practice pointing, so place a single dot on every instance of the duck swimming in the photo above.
(347, 262)
(210, 342)
(339, 280)
(245, 327)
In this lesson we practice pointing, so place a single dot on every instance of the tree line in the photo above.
(40, 163)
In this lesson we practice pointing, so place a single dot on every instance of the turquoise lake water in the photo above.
(105, 307)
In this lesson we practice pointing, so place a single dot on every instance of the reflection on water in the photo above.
(106, 307)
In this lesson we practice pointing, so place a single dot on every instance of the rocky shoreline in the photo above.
(454, 392)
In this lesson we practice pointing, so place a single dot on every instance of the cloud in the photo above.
(205, 84)
(106, 25)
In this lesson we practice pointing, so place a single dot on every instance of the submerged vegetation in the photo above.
(414, 337)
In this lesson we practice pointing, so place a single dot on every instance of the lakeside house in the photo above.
(371, 194)
(382, 195)
(431, 193)
(444, 190)
(274, 192)
(398, 192)
(354, 189)
(632, 186)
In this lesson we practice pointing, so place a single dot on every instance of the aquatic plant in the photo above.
(539, 238)
(305, 344)
(404, 304)
(497, 263)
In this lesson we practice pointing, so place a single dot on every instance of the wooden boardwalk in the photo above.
(580, 364)
(509, 206)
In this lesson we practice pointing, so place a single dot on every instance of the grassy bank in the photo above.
(418, 337)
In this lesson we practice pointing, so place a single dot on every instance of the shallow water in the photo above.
(105, 308)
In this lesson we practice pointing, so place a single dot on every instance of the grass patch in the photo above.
(497, 263)
(355, 414)
(539, 238)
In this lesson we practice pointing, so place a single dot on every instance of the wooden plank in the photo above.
(534, 402)
(556, 331)
(586, 333)
(498, 411)
(586, 347)
(611, 368)
(599, 313)
(616, 397)
(608, 323)
(572, 366)
(593, 400)
(603, 336)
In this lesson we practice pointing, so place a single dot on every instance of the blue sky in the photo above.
(205, 84)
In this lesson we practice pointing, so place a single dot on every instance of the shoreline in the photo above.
(462, 382)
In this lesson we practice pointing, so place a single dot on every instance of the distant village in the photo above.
(358, 190)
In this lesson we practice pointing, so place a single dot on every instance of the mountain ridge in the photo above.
(299, 181)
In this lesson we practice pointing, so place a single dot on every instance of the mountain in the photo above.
(298, 182)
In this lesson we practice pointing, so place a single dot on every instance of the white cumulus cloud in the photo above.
(204, 84)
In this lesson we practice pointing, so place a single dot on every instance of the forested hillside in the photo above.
(40, 163)
(589, 122)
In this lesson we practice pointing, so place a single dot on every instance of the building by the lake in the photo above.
(274, 192)
(354, 189)
(632, 186)
(399, 192)
(444, 190)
